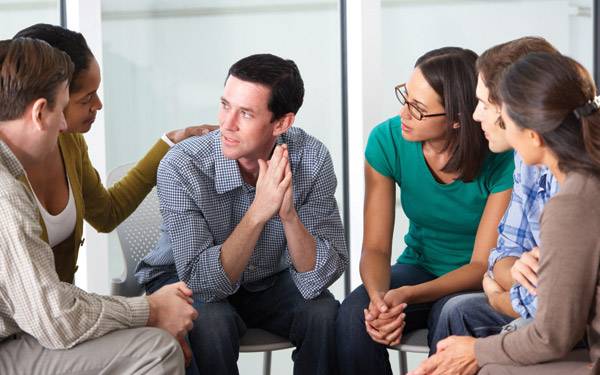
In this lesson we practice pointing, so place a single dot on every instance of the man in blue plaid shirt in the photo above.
(250, 223)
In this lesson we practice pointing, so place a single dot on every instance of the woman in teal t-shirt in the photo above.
(454, 193)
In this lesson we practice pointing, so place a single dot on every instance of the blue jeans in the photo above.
(280, 309)
(357, 352)
(467, 314)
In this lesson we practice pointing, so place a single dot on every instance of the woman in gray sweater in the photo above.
(552, 118)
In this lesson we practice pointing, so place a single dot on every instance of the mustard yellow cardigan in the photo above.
(102, 208)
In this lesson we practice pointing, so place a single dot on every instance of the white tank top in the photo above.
(61, 226)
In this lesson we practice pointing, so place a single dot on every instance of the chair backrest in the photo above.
(138, 235)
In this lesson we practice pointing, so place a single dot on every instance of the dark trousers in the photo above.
(280, 309)
(357, 352)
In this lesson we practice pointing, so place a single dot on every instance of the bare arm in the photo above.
(379, 211)
(502, 273)
(498, 298)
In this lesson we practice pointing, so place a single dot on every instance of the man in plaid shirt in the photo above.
(251, 224)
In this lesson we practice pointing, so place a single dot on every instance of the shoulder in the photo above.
(388, 129)
(501, 160)
(73, 142)
(195, 152)
(303, 146)
(579, 197)
(14, 196)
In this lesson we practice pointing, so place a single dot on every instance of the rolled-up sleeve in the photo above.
(320, 215)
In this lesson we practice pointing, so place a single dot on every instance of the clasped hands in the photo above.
(384, 317)
(274, 194)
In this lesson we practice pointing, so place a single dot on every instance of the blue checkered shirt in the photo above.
(203, 198)
(519, 229)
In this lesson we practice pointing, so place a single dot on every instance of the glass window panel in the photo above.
(16, 15)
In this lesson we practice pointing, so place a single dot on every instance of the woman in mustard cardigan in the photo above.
(67, 186)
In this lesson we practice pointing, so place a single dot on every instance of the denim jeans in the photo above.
(467, 314)
(357, 352)
(280, 309)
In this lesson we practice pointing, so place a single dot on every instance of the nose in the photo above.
(476, 113)
(227, 120)
(404, 112)
(97, 104)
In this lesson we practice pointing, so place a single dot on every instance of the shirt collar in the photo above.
(227, 171)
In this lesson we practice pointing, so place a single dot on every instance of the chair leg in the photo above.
(403, 362)
(267, 363)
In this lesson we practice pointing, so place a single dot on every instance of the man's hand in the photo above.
(287, 211)
(491, 287)
(525, 269)
(272, 184)
(455, 355)
(171, 309)
(179, 135)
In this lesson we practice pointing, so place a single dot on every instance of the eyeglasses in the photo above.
(415, 112)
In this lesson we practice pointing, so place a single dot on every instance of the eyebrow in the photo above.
(415, 100)
(420, 103)
(246, 109)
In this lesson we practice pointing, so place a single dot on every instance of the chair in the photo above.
(138, 234)
(414, 342)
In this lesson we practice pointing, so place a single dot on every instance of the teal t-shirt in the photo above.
(443, 218)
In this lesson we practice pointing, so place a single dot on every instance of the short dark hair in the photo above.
(281, 76)
(29, 69)
(450, 71)
(493, 61)
(540, 91)
(71, 42)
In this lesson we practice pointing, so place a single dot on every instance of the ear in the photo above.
(535, 139)
(38, 113)
(456, 125)
(283, 124)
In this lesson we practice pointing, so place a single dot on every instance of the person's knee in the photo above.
(216, 321)
(456, 308)
(351, 310)
(321, 311)
(162, 349)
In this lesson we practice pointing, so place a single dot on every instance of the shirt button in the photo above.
(251, 267)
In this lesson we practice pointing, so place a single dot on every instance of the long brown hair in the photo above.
(450, 71)
(542, 91)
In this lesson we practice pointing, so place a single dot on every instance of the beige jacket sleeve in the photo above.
(568, 275)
